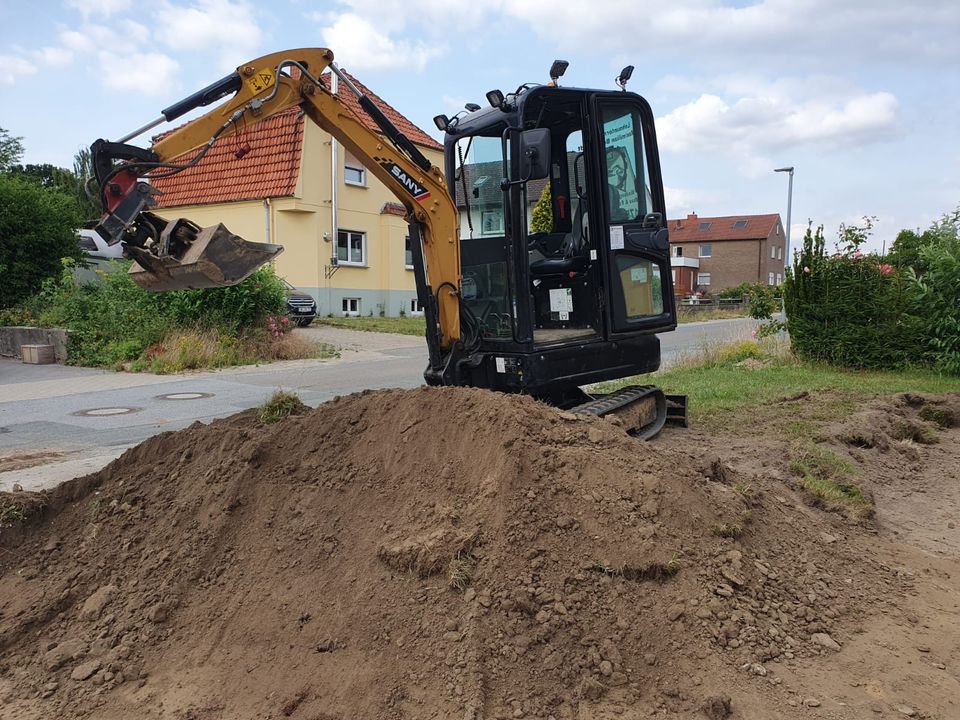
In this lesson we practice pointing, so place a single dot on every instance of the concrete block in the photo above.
(38, 354)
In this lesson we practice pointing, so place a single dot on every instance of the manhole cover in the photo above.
(184, 396)
(107, 411)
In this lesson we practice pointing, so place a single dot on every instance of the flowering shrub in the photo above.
(851, 309)
(278, 325)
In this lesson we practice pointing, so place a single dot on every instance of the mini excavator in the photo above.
(542, 306)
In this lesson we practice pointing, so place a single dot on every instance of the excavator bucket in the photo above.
(211, 257)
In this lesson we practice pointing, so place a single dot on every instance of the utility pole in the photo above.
(786, 252)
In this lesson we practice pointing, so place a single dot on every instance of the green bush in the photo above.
(37, 229)
(115, 321)
(852, 309)
(939, 289)
(229, 308)
(542, 217)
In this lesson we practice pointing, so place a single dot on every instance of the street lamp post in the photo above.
(786, 252)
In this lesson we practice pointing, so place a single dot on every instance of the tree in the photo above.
(83, 170)
(542, 220)
(11, 149)
(38, 227)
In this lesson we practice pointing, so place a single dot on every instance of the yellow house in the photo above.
(288, 182)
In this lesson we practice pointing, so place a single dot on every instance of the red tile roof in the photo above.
(258, 163)
(758, 227)
(264, 160)
(414, 133)
(392, 208)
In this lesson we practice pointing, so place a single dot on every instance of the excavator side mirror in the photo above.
(534, 154)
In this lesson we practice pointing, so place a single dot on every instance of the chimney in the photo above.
(692, 217)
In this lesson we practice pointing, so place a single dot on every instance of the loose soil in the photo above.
(453, 553)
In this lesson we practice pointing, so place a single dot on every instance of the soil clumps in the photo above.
(427, 553)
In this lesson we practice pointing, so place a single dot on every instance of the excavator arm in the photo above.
(178, 254)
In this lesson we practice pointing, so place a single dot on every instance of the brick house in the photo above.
(286, 181)
(714, 253)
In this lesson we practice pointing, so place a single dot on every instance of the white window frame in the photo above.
(416, 309)
(351, 235)
(708, 253)
(496, 213)
(700, 279)
(677, 251)
(780, 253)
(779, 279)
(351, 163)
(770, 278)
(350, 306)
(773, 252)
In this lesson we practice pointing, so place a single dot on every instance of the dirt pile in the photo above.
(431, 553)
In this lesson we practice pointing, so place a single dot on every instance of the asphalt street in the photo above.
(76, 420)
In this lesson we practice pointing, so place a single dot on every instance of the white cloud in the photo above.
(144, 73)
(813, 30)
(361, 45)
(772, 119)
(55, 56)
(223, 26)
(104, 8)
(13, 67)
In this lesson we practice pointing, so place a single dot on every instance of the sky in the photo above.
(862, 97)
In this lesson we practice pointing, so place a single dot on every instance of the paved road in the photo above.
(68, 412)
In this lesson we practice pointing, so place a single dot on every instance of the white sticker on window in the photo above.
(561, 300)
(564, 316)
(638, 274)
(501, 365)
(616, 237)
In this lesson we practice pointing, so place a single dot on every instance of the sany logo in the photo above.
(418, 191)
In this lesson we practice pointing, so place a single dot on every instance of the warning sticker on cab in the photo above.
(260, 80)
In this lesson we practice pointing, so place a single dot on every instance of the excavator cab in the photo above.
(564, 244)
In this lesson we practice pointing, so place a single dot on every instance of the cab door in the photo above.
(639, 284)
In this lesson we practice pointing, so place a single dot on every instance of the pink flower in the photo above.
(886, 269)
(754, 334)
(806, 269)
(858, 254)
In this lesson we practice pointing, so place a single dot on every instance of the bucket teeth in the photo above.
(214, 258)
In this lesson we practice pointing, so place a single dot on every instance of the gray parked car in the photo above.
(301, 307)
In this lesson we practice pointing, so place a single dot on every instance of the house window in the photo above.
(491, 222)
(739, 224)
(703, 279)
(779, 253)
(677, 251)
(415, 307)
(705, 226)
(779, 278)
(351, 306)
(706, 250)
(770, 278)
(351, 247)
(773, 252)
(407, 253)
(354, 173)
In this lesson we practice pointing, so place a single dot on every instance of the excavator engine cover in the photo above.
(190, 258)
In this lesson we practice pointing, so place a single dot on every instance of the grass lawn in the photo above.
(398, 325)
(716, 386)
(685, 315)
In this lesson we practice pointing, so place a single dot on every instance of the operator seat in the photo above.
(573, 255)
